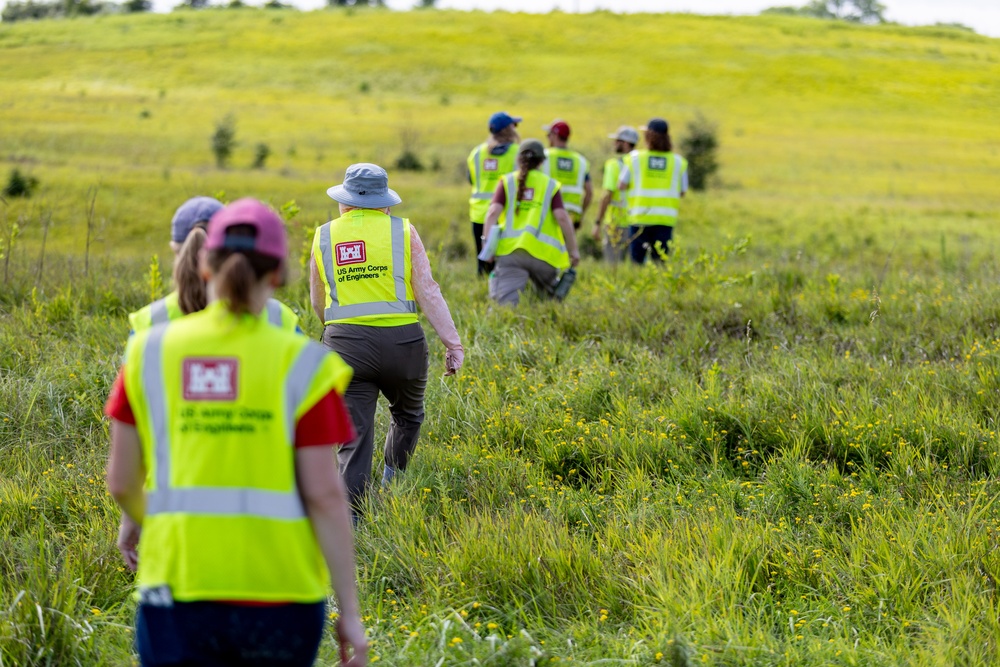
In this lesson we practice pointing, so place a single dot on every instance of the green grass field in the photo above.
(780, 449)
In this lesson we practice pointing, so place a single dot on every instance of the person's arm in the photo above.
(326, 504)
(126, 472)
(494, 211)
(602, 209)
(588, 196)
(428, 295)
(317, 291)
(625, 178)
(566, 225)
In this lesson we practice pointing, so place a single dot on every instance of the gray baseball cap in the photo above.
(532, 147)
(190, 213)
(365, 185)
(627, 134)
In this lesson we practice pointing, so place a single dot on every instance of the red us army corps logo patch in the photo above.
(491, 164)
(352, 252)
(211, 378)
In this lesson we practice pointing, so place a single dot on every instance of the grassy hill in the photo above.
(780, 449)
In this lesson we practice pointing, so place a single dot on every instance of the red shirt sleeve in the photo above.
(326, 423)
(500, 195)
(118, 407)
(557, 202)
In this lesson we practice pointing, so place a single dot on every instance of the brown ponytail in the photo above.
(187, 279)
(236, 279)
(659, 142)
(526, 162)
(238, 271)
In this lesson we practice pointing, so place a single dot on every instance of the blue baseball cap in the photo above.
(190, 213)
(502, 120)
(657, 125)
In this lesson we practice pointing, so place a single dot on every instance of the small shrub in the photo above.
(699, 146)
(364, 87)
(224, 140)
(409, 161)
(20, 185)
(261, 153)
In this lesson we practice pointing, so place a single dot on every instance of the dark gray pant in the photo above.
(391, 360)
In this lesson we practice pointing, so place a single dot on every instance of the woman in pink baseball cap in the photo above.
(223, 438)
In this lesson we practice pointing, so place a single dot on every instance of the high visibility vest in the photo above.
(654, 192)
(616, 210)
(363, 258)
(216, 398)
(486, 170)
(529, 224)
(168, 309)
(570, 169)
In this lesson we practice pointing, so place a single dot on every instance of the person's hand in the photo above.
(128, 541)
(597, 232)
(574, 258)
(453, 360)
(350, 633)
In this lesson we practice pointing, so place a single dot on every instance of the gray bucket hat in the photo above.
(627, 134)
(365, 185)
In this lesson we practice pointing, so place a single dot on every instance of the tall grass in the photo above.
(779, 448)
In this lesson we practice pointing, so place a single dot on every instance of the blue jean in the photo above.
(200, 634)
(645, 239)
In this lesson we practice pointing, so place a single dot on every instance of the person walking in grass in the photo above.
(487, 163)
(654, 181)
(616, 237)
(369, 272)
(187, 237)
(222, 437)
(536, 239)
(571, 169)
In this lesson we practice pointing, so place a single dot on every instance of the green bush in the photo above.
(699, 146)
(19, 185)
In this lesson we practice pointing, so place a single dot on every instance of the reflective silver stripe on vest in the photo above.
(156, 399)
(233, 501)
(479, 175)
(274, 312)
(401, 306)
(653, 210)
(158, 313)
(483, 195)
(326, 252)
(643, 192)
(297, 382)
(227, 502)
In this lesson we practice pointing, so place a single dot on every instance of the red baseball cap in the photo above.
(560, 127)
(271, 240)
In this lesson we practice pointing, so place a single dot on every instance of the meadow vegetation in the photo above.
(778, 449)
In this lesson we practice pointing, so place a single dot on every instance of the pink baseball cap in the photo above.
(270, 240)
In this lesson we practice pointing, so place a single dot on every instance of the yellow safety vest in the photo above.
(616, 211)
(486, 170)
(529, 224)
(168, 309)
(363, 258)
(216, 398)
(570, 169)
(654, 192)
